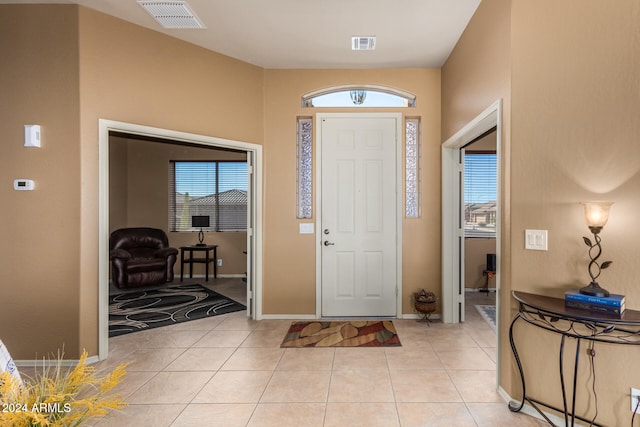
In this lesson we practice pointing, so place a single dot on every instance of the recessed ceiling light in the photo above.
(172, 14)
(363, 43)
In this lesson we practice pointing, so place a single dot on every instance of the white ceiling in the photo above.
(314, 33)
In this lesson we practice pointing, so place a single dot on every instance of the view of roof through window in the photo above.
(216, 189)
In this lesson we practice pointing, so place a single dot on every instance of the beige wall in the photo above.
(39, 233)
(476, 74)
(69, 67)
(289, 259)
(571, 134)
(106, 68)
(134, 75)
(575, 136)
(145, 198)
(475, 261)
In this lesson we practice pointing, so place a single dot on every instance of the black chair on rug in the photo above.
(141, 257)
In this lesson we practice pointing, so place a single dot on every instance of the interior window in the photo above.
(412, 168)
(213, 189)
(480, 194)
(359, 96)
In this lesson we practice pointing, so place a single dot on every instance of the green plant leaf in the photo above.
(605, 264)
(587, 241)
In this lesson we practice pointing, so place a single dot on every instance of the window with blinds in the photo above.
(480, 187)
(215, 189)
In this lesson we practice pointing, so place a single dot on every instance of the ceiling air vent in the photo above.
(172, 14)
(363, 43)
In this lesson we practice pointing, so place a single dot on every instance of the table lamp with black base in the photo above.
(201, 221)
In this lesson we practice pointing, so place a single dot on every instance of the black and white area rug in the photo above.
(140, 310)
(488, 313)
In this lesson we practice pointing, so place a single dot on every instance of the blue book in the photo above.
(613, 300)
(595, 308)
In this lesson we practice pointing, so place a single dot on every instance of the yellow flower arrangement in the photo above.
(57, 397)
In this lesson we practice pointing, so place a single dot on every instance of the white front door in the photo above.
(359, 215)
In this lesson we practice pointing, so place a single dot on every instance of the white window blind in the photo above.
(216, 189)
(480, 187)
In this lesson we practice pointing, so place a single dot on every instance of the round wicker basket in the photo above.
(425, 303)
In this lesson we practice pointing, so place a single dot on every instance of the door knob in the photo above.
(328, 243)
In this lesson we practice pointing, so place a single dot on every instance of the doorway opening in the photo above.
(252, 154)
(453, 215)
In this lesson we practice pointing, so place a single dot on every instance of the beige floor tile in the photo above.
(492, 352)
(435, 415)
(206, 324)
(221, 338)
(498, 415)
(132, 381)
(143, 416)
(361, 415)
(234, 387)
(259, 359)
(288, 415)
(237, 322)
(201, 359)
(264, 338)
(151, 359)
(466, 358)
(360, 358)
(414, 337)
(171, 338)
(215, 415)
(412, 358)
(484, 337)
(476, 386)
(424, 386)
(118, 353)
(171, 387)
(360, 385)
(457, 339)
(230, 370)
(275, 324)
(307, 359)
(297, 386)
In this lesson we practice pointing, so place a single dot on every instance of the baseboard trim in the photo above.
(53, 362)
(479, 289)
(219, 276)
(434, 316)
(288, 317)
(531, 411)
(314, 317)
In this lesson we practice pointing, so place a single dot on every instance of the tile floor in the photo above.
(230, 371)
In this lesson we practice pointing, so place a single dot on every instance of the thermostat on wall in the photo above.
(23, 184)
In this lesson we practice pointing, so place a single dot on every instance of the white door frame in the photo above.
(451, 194)
(399, 215)
(254, 150)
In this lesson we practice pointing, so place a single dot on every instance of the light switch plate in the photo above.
(306, 228)
(536, 240)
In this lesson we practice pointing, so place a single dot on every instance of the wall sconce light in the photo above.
(596, 215)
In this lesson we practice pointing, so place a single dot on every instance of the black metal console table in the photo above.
(551, 314)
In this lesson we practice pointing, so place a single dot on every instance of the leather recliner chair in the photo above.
(141, 257)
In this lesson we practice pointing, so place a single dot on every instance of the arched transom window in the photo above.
(359, 96)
